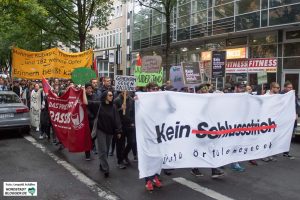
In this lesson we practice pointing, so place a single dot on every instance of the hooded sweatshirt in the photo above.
(108, 119)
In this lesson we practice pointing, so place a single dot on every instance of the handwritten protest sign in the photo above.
(125, 83)
(191, 72)
(51, 63)
(176, 77)
(83, 75)
(143, 78)
(151, 64)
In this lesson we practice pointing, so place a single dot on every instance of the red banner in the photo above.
(70, 121)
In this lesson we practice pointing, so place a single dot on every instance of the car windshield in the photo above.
(9, 98)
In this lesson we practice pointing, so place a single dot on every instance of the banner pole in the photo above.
(124, 102)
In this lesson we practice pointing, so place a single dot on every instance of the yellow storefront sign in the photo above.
(51, 63)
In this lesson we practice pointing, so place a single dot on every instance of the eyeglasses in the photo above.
(110, 95)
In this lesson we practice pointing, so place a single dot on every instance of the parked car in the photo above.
(13, 113)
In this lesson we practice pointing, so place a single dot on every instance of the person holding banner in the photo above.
(92, 108)
(288, 86)
(108, 125)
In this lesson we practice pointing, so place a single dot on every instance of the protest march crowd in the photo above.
(112, 119)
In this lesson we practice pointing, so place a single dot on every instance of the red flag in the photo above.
(69, 120)
(95, 67)
(138, 60)
(46, 86)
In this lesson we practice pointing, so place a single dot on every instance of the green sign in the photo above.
(143, 78)
(262, 77)
(83, 75)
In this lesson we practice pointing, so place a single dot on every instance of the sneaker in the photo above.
(167, 172)
(272, 158)
(121, 166)
(135, 158)
(267, 159)
(237, 167)
(41, 137)
(149, 186)
(87, 158)
(110, 154)
(37, 129)
(126, 161)
(217, 174)
(253, 162)
(289, 156)
(196, 172)
(95, 152)
(157, 182)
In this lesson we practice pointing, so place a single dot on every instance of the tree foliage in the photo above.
(40, 24)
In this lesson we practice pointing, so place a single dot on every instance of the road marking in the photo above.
(77, 174)
(208, 192)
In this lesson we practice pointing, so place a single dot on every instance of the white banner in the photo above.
(174, 130)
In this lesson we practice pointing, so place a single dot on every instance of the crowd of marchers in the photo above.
(115, 120)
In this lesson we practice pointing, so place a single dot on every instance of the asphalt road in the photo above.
(21, 160)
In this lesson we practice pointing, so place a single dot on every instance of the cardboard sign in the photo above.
(151, 64)
(176, 77)
(191, 72)
(262, 77)
(143, 78)
(125, 83)
(51, 63)
(218, 64)
(81, 76)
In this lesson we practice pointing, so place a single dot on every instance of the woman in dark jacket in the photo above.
(108, 125)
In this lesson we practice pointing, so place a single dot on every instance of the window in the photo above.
(263, 51)
(183, 22)
(292, 49)
(199, 18)
(245, 6)
(269, 38)
(220, 2)
(236, 41)
(184, 9)
(292, 35)
(283, 15)
(223, 11)
(198, 5)
(275, 3)
(248, 21)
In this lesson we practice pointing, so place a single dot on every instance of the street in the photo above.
(62, 175)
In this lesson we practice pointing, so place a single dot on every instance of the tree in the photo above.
(165, 7)
(73, 19)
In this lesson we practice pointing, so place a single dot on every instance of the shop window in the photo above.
(275, 3)
(156, 30)
(236, 41)
(245, 6)
(259, 39)
(224, 11)
(248, 21)
(263, 51)
(223, 26)
(291, 63)
(292, 35)
(292, 49)
(284, 15)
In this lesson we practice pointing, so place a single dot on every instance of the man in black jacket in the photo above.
(128, 126)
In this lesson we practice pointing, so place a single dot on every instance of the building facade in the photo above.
(263, 29)
(112, 45)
